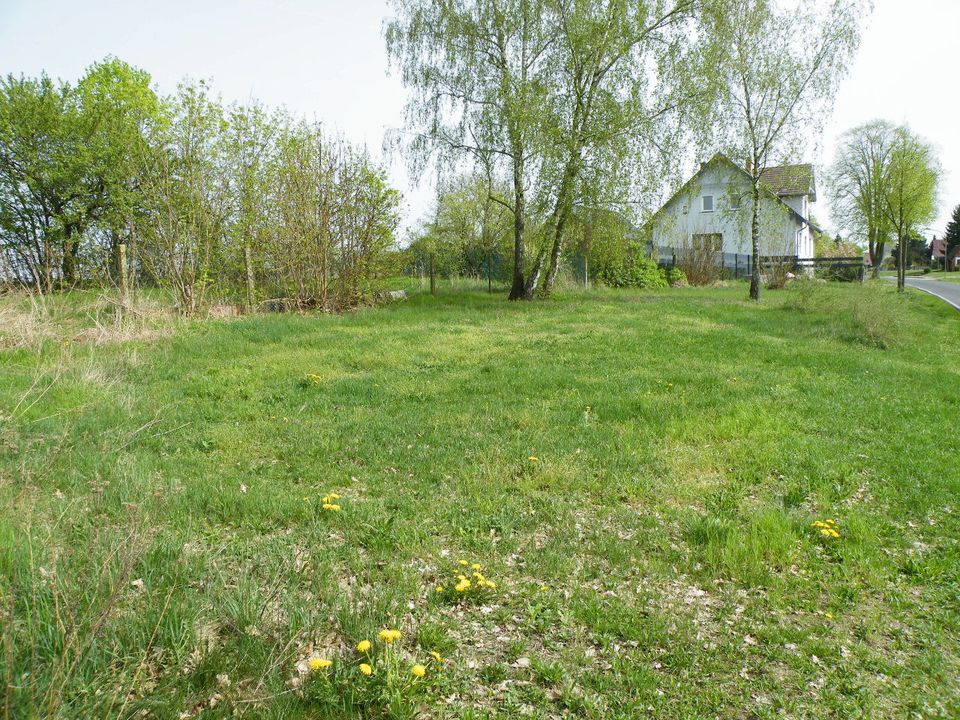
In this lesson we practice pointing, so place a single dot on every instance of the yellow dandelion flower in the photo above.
(389, 636)
(334, 496)
(462, 586)
(478, 576)
(476, 566)
(829, 615)
(366, 669)
(830, 521)
(491, 585)
(436, 656)
(834, 533)
(533, 458)
(464, 563)
(418, 671)
(319, 663)
(461, 578)
(331, 507)
(363, 646)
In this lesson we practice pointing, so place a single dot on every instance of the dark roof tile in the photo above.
(787, 180)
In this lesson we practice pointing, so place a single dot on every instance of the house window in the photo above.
(708, 203)
(735, 201)
(707, 243)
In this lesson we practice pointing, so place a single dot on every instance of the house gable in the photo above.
(725, 187)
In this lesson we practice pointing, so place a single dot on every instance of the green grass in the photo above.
(636, 471)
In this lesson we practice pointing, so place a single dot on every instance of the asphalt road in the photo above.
(947, 291)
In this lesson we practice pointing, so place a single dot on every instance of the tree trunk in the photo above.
(519, 210)
(560, 216)
(901, 264)
(122, 272)
(433, 281)
(69, 265)
(534, 280)
(755, 237)
(248, 266)
(47, 268)
(875, 249)
(489, 274)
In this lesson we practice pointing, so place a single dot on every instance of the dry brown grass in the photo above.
(29, 321)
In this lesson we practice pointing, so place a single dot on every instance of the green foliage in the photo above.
(775, 91)
(916, 252)
(912, 186)
(469, 233)
(634, 270)
(858, 184)
(213, 202)
(574, 103)
(676, 277)
(68, 170)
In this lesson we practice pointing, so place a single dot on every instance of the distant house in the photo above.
(712, 211)
(938, 248)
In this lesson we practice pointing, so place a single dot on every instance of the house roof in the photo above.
(937, 247)
(721, 158)
(786, 180)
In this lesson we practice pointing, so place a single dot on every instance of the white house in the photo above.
(712, 211)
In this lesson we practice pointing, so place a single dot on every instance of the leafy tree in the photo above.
(916, 252)
(554, 94)
(117, 100)
(858, 185)
(187, 195)
(778, 71)
(478, 72)
(250, 139)
(910, 200)
(67, 165)
(38, 177)
(468, 231)
(333, 217)
(608, 115)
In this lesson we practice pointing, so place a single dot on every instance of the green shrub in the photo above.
(635, 270)
(676, 277)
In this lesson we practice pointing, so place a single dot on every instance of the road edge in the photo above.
(949, 302)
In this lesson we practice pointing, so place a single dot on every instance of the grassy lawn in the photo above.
(637, 474)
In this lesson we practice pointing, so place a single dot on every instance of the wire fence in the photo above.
(740, 265)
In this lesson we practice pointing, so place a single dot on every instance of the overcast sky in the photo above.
(325, 59)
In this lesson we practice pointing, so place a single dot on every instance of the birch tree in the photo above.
(478, 72)
(623, 82)
(779, 65)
